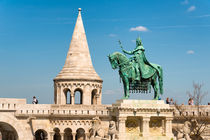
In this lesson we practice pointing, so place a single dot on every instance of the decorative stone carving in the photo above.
(156, 126)
(112, 130)
(96, 132)
(184, 133)
(132, 126)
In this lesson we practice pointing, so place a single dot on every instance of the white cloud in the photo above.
(112, 35)
(190, 52)
(139, 28)
(185, 2)
(191, 8)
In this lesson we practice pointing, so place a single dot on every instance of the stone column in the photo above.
(97, 99)
(87, 93)
(52, 135)
(72, 98)
(121, 128)
(62, 96)
(62, 135)
(74, 136)
(86, 136)
(145, 126)
(168, 126)
(58, 95)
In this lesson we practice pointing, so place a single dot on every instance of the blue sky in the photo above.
(35, 36)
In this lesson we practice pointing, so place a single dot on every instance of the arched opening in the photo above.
(57, 135)
(7, 132)
(78, 95)
(68, 134)
(93, 97)
(41, 134)
(67, 93)
(80, 134)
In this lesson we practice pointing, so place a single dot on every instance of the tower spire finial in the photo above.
(79, 9)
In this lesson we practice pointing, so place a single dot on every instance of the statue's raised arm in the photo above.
(124, 51)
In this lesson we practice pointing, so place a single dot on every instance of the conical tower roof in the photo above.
(78, 64)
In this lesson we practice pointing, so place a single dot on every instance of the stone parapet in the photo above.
(10, 103)
(48, 110)
(192, 110)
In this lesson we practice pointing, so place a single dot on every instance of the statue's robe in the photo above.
(146, 68)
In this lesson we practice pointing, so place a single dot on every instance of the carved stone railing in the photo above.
(10, 104)
(192, 110)
(44, 110)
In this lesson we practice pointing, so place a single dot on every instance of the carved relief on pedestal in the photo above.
(132, 125)
(156, 126)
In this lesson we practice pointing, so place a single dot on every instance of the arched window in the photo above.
(78, 95)
(68, 134)
(80, 134)
(93, 97)
(41, 134)
(67, 93)
(57, 135)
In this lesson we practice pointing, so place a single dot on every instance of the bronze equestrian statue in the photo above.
(137, 73)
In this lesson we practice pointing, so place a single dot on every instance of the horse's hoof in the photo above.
(126, 97)
(155, 98)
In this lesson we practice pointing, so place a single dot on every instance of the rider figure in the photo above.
(140, 59)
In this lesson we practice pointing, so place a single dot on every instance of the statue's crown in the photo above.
(138, 39)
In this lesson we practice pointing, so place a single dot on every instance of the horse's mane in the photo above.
(120, 54)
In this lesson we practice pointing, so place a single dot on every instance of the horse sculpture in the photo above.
(127, 72)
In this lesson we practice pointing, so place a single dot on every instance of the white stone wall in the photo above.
(26, 119)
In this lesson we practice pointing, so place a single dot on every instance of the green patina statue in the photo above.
(138, 74)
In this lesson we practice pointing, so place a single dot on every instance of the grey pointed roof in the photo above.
(78, 64)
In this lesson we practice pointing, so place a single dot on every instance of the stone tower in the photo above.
(78, 77)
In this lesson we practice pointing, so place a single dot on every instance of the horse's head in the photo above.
(113, 61)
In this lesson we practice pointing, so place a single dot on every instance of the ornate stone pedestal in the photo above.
(143, 119)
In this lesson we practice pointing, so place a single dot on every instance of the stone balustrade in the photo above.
(58, 110)
(7, 106)
(20, 108)
(10, 104)
(192, 110)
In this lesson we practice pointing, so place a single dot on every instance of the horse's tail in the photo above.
(160, 79)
